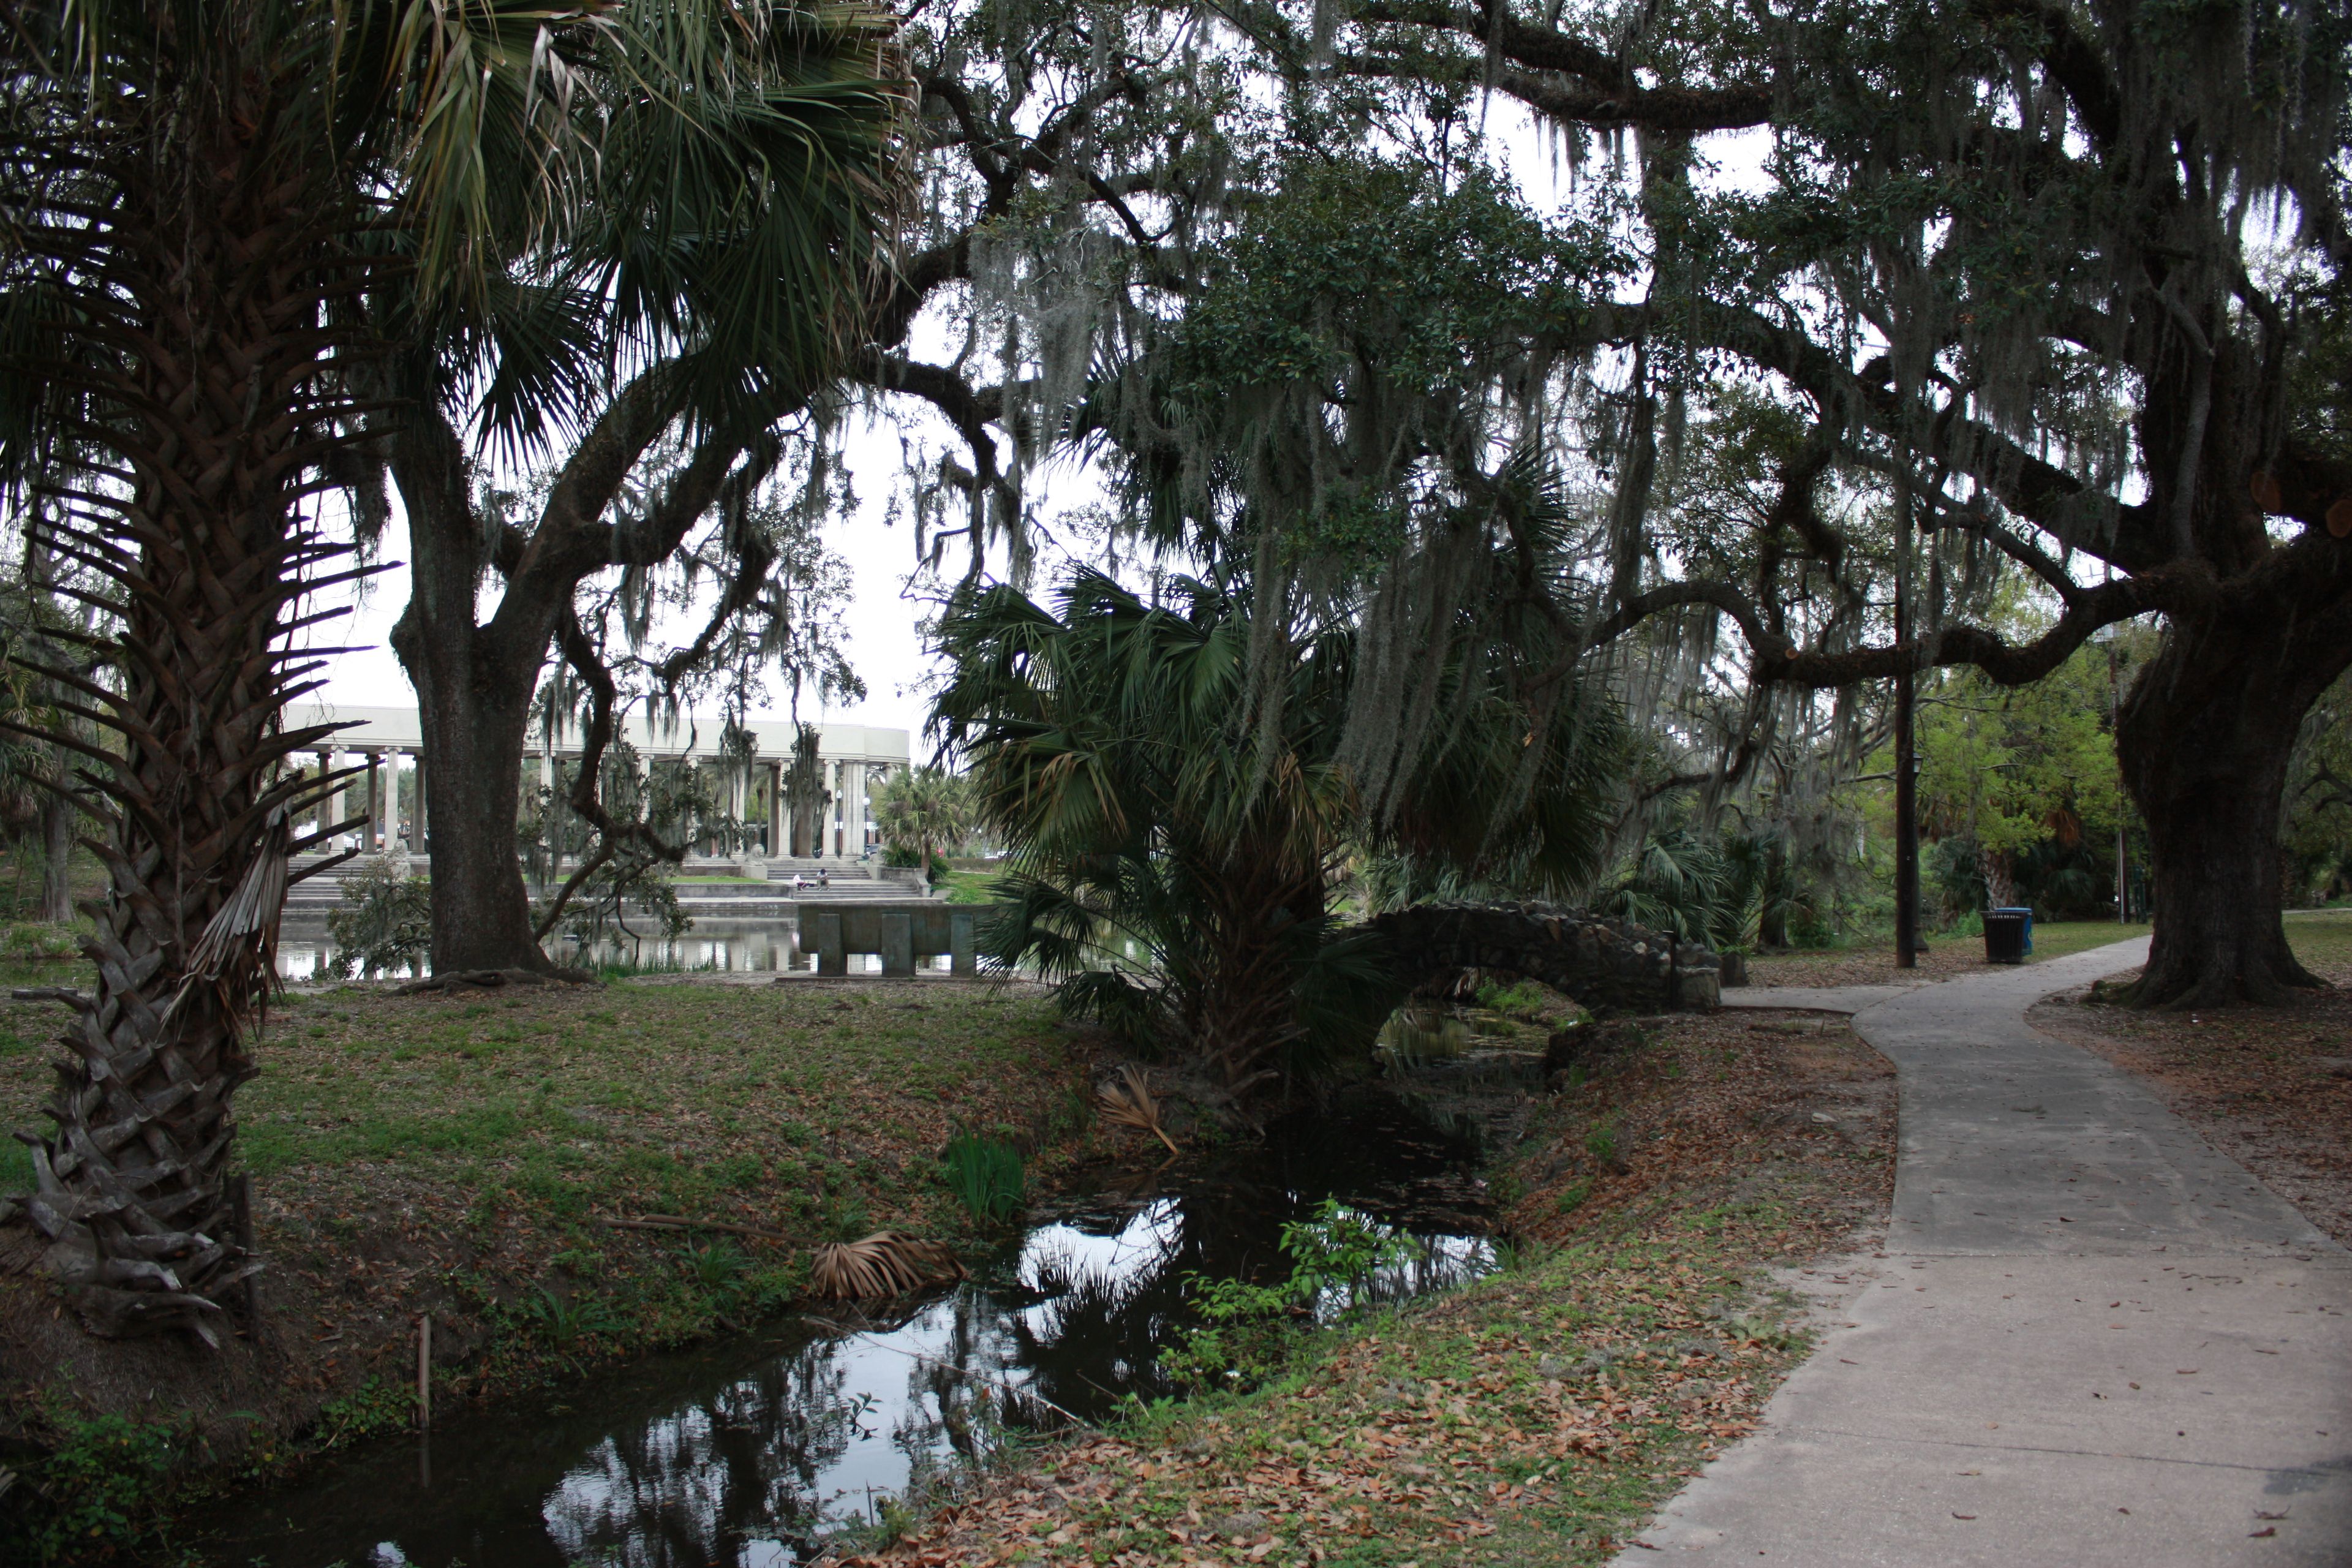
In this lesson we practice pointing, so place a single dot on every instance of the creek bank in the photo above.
(760, 1448)
(1538, 1416)
(457, 1154)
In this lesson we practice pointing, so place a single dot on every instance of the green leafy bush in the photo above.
(1525, 1000)
(1246, 1331)
(96, 1494)
(385, 923)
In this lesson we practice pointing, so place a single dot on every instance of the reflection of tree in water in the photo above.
(692, 1471)
(690, 1487)
(955, 1387)
(1098, 1334)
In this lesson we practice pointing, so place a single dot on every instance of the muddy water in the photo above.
(749, 1451)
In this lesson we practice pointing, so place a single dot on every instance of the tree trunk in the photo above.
(2205, 737)
(57, 858)
(474, 689)
(2001, 887)
(474, 738)
(206, 555)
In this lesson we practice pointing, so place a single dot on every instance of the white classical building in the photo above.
(389, 742)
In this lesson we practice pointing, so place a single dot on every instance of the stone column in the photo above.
(330, 808)
(856, 812)
(395, 764)
(419, 838)
(374, 803)
(776, 846)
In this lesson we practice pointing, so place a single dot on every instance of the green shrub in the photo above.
(385, 923)
(1246, 1331)
(96, 1494)
(1525, 999)
(986, 1177)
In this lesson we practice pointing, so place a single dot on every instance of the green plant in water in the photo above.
(1524, 1000)
(986, 1177)
(1247, 1330)
(373, 1407)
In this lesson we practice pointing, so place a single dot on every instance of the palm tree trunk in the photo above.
(206, 554)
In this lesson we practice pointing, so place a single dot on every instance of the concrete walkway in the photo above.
(2091, 1340)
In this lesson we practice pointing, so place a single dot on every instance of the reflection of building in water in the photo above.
(853, 762)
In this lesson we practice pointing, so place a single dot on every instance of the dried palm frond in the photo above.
(1127, 1101)
(887, 1263)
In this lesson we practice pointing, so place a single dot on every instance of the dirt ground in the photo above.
(1665, 1182)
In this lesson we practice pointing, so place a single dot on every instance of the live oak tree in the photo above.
(2039, 289)
(2035, 274)
(718, 267)
(663, 376)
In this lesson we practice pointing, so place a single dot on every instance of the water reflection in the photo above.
(746, 1453)
(726, 947)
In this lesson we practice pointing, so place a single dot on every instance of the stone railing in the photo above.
(1600, 962)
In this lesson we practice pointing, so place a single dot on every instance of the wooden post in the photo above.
(241, 1196)
(425, 1373)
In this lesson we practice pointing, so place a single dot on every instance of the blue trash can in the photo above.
(2009, 935)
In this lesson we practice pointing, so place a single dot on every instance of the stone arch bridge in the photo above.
(1600, 962)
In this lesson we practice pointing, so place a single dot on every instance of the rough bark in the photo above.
(56, 859)
(2206, 736)
(474, 686)
(2001, 887)
(214, 264)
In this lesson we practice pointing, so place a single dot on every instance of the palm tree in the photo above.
(921, 809)
(1178, 819)
(195, 196)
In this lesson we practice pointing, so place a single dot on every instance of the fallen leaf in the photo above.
(2258, 1534)
(1964, 1516)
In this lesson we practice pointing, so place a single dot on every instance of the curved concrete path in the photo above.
(2090, 1339)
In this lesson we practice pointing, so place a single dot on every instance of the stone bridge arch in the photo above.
(1602, 963)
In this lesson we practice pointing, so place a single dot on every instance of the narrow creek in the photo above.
(746, 1452)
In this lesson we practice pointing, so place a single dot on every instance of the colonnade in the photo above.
(851, 759)
(374, 797)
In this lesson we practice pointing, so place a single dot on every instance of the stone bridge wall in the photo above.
(1600, 962)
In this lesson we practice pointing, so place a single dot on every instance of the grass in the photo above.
(968, 887)
(2056, 939)
(459, 1153)
(986, 1176)
(2324, 941)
